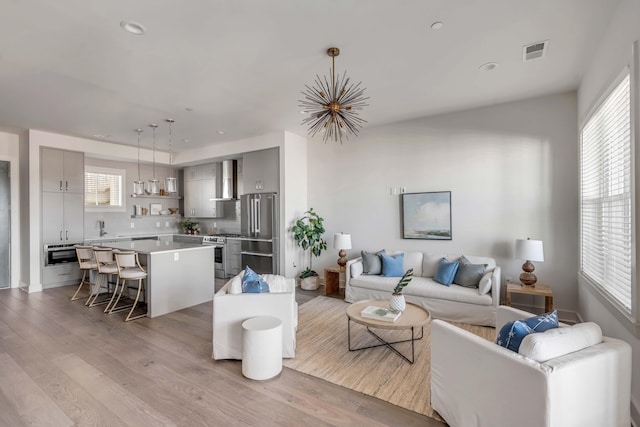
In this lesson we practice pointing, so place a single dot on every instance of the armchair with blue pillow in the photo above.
(538, 373)
(249, 295)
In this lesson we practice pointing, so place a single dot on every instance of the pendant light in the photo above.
(138, 186)
(170, 183)
(154, 186)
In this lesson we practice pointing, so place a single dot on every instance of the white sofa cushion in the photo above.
(557, 342)
(485, 284)
(423, 287)
(430, 264)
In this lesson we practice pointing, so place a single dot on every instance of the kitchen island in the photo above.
(180, 274)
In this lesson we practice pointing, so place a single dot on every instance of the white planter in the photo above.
(310, 283)
(397, 303)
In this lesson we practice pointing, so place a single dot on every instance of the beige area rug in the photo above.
(322, 352)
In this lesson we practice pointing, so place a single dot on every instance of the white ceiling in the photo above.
(240, 65)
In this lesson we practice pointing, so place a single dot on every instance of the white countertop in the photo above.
(155, 246)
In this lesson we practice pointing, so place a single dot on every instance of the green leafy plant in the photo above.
(307, 232)
(187, 224)
(406, 278)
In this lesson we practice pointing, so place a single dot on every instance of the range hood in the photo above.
(229, 180)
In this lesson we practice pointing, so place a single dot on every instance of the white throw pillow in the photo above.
(236, 284)
(356, 269)
(557, 342)
(276, 283)
(485, 283)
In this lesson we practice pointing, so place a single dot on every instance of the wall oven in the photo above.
(218, 257)
(59, 254)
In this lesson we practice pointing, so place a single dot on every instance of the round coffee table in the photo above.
(412, 317)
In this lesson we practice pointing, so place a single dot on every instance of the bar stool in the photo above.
(106, 267)
(87, 262)
(129, 269)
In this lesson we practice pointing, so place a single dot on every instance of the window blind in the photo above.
(102, 189)
(605, 196)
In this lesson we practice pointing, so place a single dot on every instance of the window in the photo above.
(606, 202)
(103, 189)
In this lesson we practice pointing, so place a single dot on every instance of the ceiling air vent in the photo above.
(534, 51)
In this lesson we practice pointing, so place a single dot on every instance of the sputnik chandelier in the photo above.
(332, 106)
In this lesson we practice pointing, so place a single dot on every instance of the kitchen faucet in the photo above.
(101, 225)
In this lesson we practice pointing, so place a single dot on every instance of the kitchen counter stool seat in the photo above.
(129, 270)
(87, 263)
(106, 267)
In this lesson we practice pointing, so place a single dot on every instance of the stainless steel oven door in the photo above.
(59, 254)
(219, 261)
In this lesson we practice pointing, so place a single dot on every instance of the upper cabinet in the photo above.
(62, 171)
(261, 171)
(62, 174)
(201, 187)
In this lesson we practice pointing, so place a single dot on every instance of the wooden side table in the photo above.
(539, 290)
(332, 280)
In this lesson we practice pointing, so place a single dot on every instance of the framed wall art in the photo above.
(426, 215)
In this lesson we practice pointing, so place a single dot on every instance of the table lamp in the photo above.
(342, 241)
(529, 250)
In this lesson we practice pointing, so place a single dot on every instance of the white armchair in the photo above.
(475, 382)
(231, 309)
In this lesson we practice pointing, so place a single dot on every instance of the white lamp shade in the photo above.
(529, 250)
(342, 241)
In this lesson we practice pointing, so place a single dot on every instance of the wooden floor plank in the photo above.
(98, 370)
(33, 405)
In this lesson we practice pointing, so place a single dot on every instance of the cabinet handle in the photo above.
(63, 274)
(60, 185)
(67, 235)
(66, 186)
(60, 235)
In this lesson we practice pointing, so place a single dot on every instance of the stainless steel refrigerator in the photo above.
(259, 232)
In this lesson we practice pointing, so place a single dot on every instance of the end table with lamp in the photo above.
(341, 241)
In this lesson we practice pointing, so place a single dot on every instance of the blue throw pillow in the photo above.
(543, 322)
(252, 283)
(392, 266)
(446, 272)
(512, 334)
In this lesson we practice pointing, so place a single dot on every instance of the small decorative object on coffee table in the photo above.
(412, 317)
(397, 302)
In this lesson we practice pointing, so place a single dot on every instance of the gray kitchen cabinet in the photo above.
(261, 171)
(62, 218)
(201, 187)
(233, 258)
(62, 171)
(62, 180)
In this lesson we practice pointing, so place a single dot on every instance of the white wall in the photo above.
(511, 168)
(609, 59)
(10, 152)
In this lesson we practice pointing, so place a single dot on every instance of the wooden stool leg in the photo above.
(135, 303)
(82, 282)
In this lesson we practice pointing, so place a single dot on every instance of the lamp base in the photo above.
(342, 261)
(527, 278)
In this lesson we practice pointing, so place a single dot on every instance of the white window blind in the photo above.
(103, 189)
(605, 199)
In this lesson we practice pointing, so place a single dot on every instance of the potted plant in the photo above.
(397, 302)
(307, 232)
(188, 225)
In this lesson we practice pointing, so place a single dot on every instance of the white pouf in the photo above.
(261, 347)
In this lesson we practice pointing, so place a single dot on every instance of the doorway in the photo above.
(5, 226)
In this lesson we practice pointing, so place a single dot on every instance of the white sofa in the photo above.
(475, 382)
(231, 309)
(455, 303)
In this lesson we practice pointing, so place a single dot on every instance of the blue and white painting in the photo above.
(426, 215)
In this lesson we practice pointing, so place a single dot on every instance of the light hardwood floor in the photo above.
(63, 364)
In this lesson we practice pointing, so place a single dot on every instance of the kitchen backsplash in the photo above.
(119, 223)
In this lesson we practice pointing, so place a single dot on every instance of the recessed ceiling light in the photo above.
(221, 132)
(437, 25)
(99, 136)
(186, 140)
(132, 27)
(489, 66)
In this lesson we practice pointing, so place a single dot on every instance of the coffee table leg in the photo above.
(387, 344)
